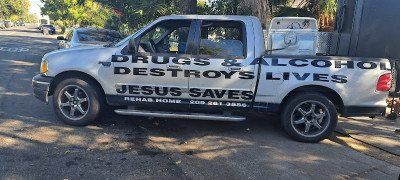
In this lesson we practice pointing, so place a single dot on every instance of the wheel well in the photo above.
(332, 95)
(71, 74)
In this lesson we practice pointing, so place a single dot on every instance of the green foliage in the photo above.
(227, 7)
(73, 12)
(203, 8)
(31, 18)
(100, 13)
(143, 12)
(293, 12)
(325, 8)
(138, 13)
(112, 23)
(315, 8)
(274, 3)
(18, 8)
(14, 18)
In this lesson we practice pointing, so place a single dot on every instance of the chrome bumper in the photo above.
(41, 86)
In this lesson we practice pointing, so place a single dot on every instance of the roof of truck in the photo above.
(213, 17)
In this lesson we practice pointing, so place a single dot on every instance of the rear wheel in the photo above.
(309, 117)
(77, 101)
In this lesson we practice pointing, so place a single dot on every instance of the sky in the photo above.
(34, 6)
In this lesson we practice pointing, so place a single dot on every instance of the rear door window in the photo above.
(222, 38)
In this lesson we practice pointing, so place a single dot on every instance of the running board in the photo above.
(162, 114)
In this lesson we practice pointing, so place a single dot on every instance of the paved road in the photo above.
(34, 144)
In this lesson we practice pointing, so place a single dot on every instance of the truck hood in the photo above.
(94, 43)
(82, 52)
(83, 59)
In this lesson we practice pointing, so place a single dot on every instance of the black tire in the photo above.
(298, 114)
(83, 97)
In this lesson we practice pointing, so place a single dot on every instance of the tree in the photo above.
(258, 8)
(32, 18)
(325, 8)
(137, 13)
(18, 8)
(324, 11)
(73, 12)
(14, 18)
(188, 6)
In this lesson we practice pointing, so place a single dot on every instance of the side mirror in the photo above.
(132, 47)
(60, 37)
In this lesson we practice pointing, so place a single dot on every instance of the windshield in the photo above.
(124, 40)
(96, 35)
(127, 38)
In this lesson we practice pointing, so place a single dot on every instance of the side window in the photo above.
(166, 37)
(69, 36)
(222, 38)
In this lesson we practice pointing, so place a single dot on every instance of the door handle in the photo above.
(174, 66)
(235, 68)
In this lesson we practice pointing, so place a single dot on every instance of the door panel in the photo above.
(157, 74)
(227, 77)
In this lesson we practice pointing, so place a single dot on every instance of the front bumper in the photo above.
(41, 86)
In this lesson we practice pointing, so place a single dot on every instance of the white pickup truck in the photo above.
(211, 68)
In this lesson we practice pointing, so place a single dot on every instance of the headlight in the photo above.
(43, 67)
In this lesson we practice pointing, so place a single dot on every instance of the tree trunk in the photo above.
(188, 6)
(259, 8)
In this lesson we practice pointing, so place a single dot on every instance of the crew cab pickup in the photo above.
(211, 68)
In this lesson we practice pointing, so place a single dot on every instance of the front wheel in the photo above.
(77, 101)
(309, 117)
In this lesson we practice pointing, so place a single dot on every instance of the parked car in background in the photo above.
(16, 23)
(50, 28)
(22, 24)
(2, 25)
(89, 37)
(8, 23)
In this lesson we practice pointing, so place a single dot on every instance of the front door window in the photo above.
(166, 37)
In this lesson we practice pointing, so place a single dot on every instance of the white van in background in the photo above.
(43, 20)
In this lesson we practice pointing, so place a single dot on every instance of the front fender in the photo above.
(85, 60)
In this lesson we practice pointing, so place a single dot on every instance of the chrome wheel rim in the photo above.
(73, 102)
(310, 118)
